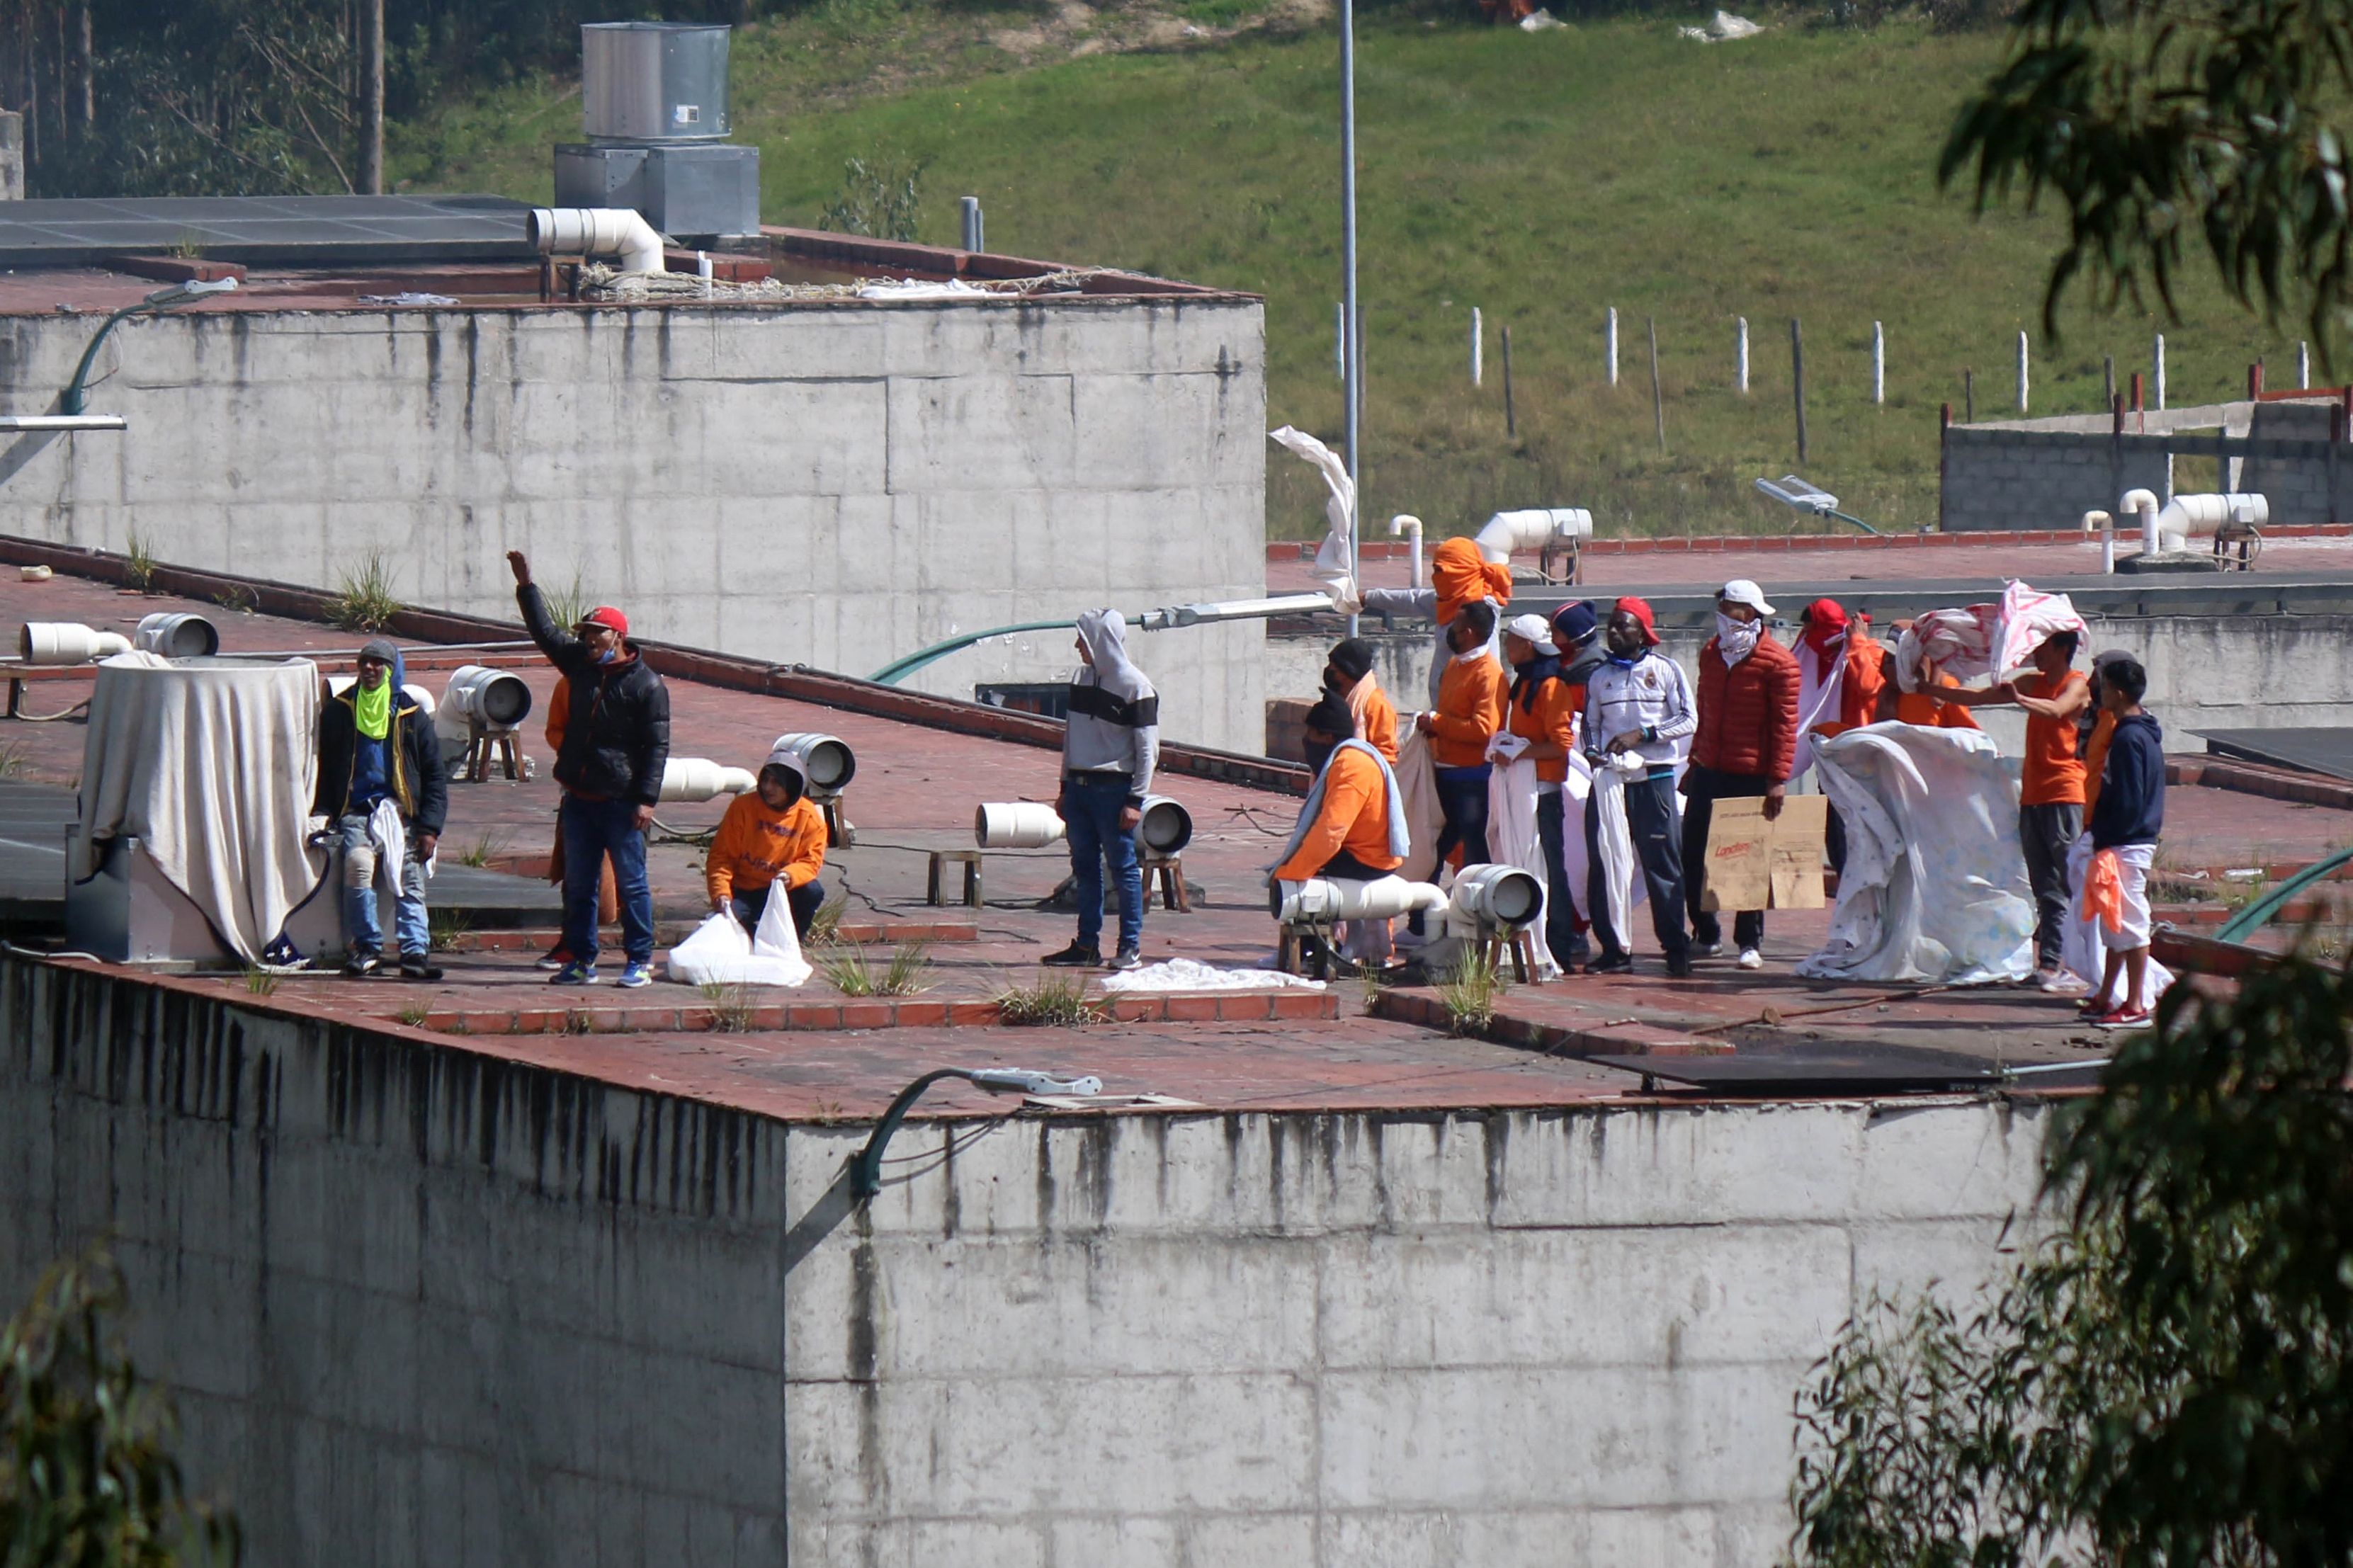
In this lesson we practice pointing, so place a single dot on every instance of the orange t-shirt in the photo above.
(1550, 716)
(2051, 772)
(1353, 816)
(1376, 717)
(1919, 708)
(1469, 712)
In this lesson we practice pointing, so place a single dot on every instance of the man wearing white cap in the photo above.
(1540, 714)
(1745, 745)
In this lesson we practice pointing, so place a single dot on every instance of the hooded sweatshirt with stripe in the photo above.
(1114, 723)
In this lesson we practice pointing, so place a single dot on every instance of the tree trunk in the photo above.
(371, 115)
(85, 67)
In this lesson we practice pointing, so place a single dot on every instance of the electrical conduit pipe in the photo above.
(2103, 525)
(1406, 523)
(66, 642)
(597, 231)
(2144, 503)
(1321, 900)
(1165, 828)
(699, 778)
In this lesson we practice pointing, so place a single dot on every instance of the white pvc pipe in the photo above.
(1406, 523)
(2185, 515)
(177, 635)
(1016, 825)
(699, 778)
(497, 699)
(1321, 900)
(67, 642)
(827, 760)
(1532, 529)
(2105, 525)
(598, 231)
(1496, 896)
(2145, 503)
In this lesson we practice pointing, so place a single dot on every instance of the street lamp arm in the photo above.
(72, 399)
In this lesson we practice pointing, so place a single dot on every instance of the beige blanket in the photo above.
(210, 763)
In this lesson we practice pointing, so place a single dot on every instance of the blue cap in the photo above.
(1572, 624)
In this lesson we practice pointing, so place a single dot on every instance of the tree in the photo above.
(86, 1480)
(2164, 1380)
(2161, 126)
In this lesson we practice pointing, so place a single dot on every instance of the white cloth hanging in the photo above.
(1935, 888)
(1818, 696)
(1512, 838)
(1335, 561)
(1417, 785)
(1622, 884)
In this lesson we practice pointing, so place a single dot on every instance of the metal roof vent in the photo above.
(654, 82)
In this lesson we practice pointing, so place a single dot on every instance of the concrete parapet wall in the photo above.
(835, 485)
(424, 1306)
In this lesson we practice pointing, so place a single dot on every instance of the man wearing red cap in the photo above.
(610, 766)
(1745, 745)
(1638, 703)
(1839, 677)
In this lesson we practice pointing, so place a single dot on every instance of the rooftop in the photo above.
(923, 764)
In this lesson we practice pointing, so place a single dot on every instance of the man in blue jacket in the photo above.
(2125, 823)
(616, 745)
(376, 748)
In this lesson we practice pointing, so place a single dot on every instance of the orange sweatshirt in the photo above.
(1469, 712)
(1375, 716)
(1354, 816)
(1551, 717)
(757, 847)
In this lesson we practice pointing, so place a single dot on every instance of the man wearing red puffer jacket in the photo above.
(1744, 747)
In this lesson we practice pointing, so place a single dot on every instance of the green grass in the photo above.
(1541, 177)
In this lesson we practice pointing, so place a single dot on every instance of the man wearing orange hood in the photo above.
(1458, 575)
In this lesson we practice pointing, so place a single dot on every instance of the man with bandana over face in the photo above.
(1637, 701)
(1839, 677)
(1745, 746)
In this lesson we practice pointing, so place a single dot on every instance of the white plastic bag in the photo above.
(719, 951)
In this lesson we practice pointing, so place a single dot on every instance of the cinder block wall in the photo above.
(422, 1306)
(1997, 478)
(834, 484)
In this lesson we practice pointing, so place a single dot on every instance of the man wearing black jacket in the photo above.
(376, 747)
(610, 765)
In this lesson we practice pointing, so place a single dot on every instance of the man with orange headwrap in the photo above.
(1458, 575)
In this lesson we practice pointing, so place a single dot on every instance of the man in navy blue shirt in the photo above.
(2125, 823)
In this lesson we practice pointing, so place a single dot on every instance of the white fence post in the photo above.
(2156, 371)
(2021, 372)
(1609, 342)
(1478, 347)
(1878, 363)
(1740, 356)
(2304, 366)
(1340, 341)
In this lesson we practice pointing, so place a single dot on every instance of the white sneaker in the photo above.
(2061, 982)
(1751, 959)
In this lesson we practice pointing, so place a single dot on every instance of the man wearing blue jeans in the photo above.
(1110, 743)
(610, 765)
(381, 787)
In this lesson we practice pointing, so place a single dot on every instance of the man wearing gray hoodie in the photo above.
(1110, 743)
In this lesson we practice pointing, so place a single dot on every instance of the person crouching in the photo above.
(775, 836)
(1352, 827)
(377, 748)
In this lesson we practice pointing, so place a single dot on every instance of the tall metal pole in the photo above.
(1350, 317)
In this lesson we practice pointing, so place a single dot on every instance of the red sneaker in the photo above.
(2123, 1018)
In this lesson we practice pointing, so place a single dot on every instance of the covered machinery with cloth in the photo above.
(192, 843)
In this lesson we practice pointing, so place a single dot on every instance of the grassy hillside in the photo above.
(1539, 176)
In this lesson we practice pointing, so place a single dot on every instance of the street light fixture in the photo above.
(72, 399)
(1796, 493)
(866, 1171)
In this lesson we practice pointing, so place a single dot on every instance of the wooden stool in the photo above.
(971, 860)
(1170, 870)
(484, 750)
(1300, 945)
(1523, 948)
(841, 834)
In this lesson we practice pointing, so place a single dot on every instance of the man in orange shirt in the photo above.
(2049, 786)
(1919, 706)
(773, 837)
(1348, 675)
(1469, 712)
(1839, 673)
(1542, 709)
(1349, 829)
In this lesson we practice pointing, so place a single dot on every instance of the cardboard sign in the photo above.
(1752, 864)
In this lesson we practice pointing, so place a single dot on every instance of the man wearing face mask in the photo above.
(610, 765)
(1637, 701)
(1745, 746)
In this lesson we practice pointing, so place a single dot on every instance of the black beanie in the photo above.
(1353, 658)
(1331, 716)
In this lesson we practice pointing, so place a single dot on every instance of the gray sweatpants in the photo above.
(2044, 833)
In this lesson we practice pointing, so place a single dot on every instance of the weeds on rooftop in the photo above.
(847, 967)
(825, 926)
(1469, 992)
(579, 1021)
(138, 563)
(1057, 1002)
(446, 927)
(483, 850)
(567, 606)
(261, 981)
(414, 1014)
(364, 603)
(12, 761)
(239, 600)
(730, 1006)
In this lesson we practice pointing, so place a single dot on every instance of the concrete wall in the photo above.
(426, 1307)
(834, 485)
(2047, 473)
(2206, 672)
